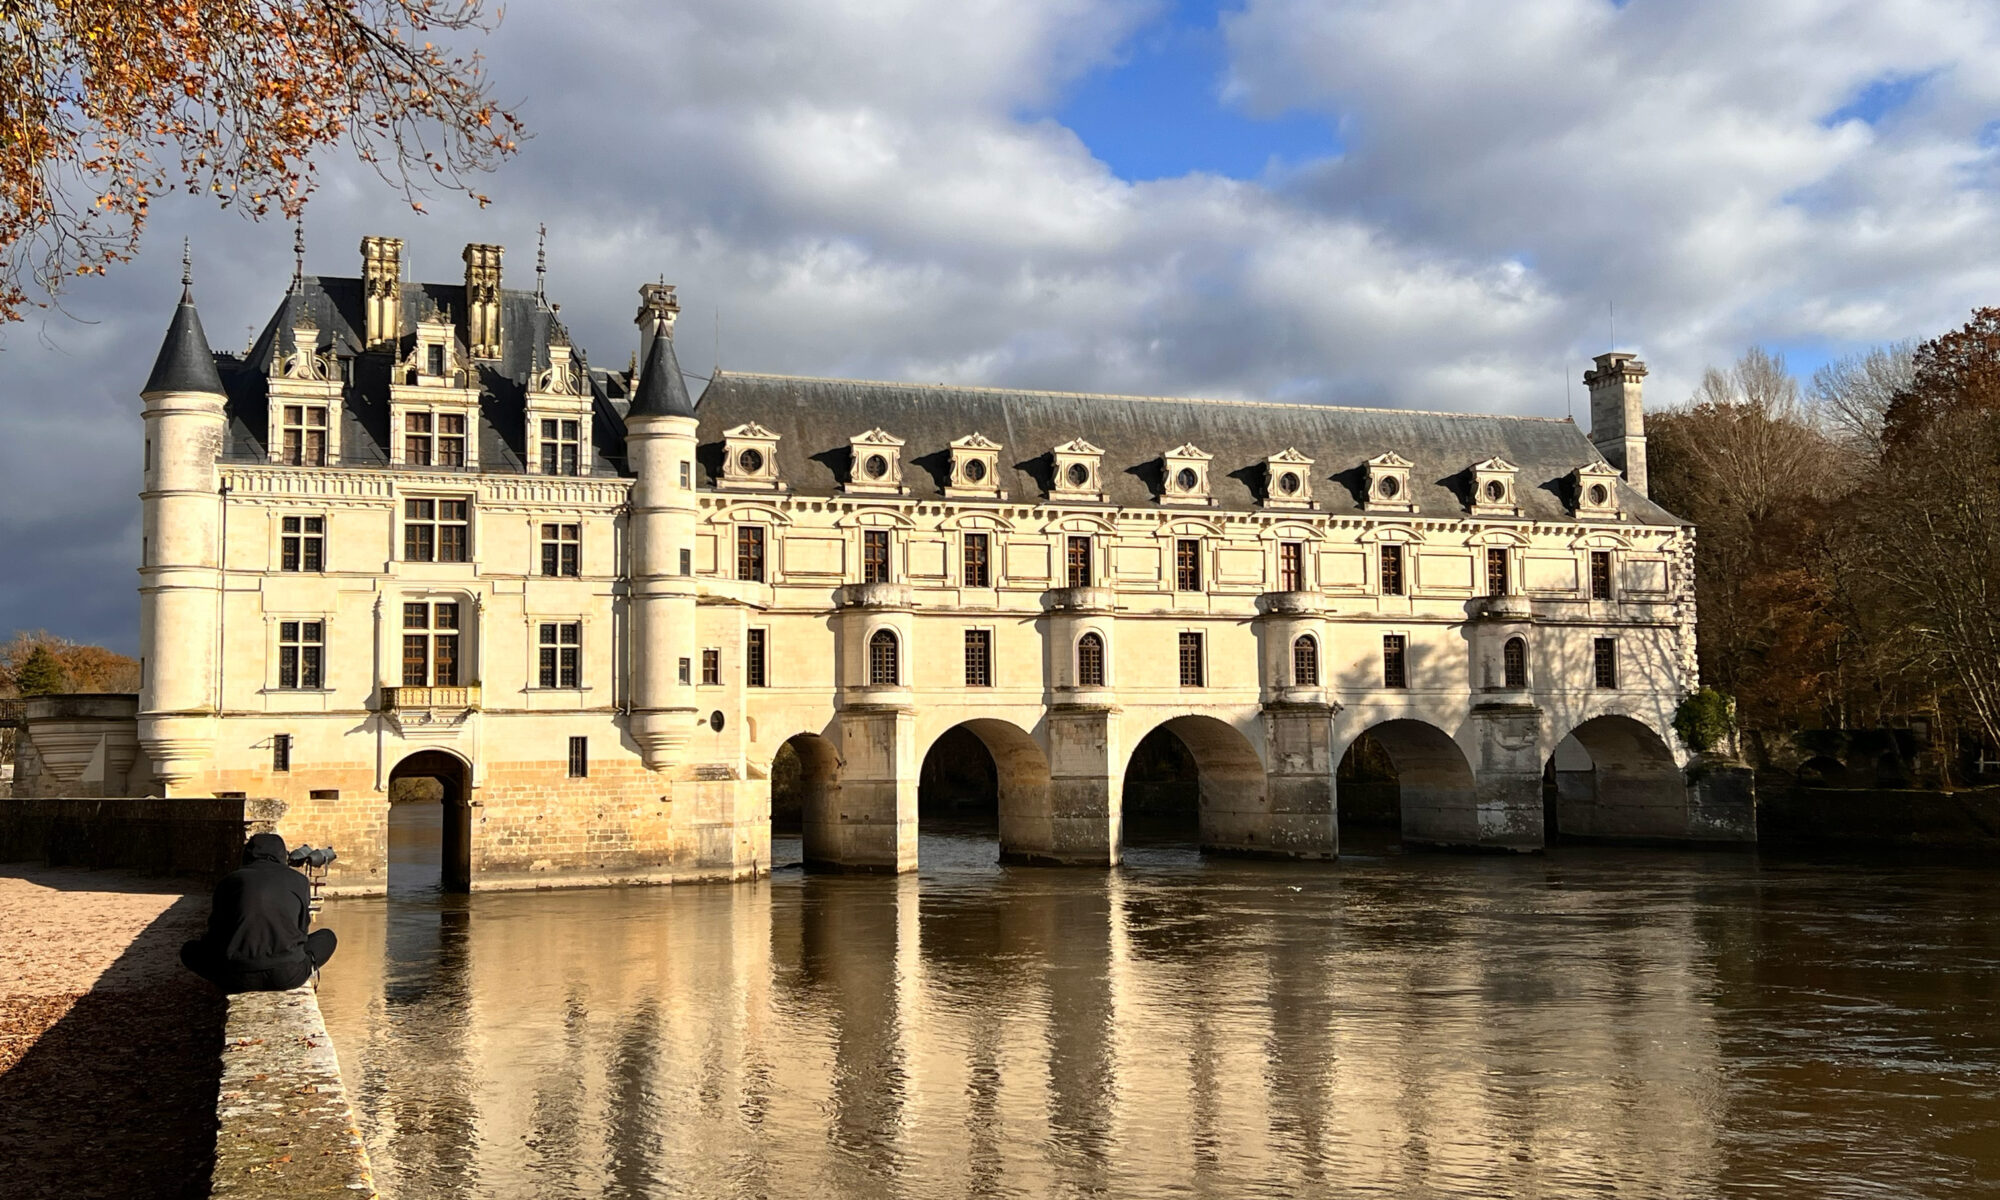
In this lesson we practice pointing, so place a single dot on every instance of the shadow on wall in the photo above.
(117, 1099)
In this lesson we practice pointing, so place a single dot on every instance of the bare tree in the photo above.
(1854, 394)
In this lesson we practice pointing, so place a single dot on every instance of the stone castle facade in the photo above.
(413, 531)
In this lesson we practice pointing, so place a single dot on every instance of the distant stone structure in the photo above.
(413, 531)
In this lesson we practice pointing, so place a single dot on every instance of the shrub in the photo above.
(1704, 720)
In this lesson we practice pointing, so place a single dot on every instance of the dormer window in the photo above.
(305, 399)
(1288, 480)
(1388, 482)
(304, 435)
(1493, 488)
(1186, 470)
(1594, 491)
(1078, 472)
(875, 463)
(975, 467)
(750, 458)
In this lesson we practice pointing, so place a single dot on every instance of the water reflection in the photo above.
(1584, 1023)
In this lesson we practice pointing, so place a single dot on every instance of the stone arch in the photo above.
(1019, 774)
(1432, 799)
(1614, 776)
(805, 780)
(410, 842)
(1229, 789)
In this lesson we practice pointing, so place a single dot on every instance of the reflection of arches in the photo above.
(1198, 775)
(809, 785)
(1614, 777)
(451, 775)
(1001, 771)
(1427, 792)
(884, 665)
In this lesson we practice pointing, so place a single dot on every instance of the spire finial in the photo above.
(187, 271)
(541, 263)
(299, 255)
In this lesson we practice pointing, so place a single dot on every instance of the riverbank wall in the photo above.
(285, 1129)
(1793, 815)
(197, 836)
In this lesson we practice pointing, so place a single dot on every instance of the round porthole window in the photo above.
(1079, 475)
(876, 466)
(750, 461)
(975, 469)
(1288, 483)
(1186, 479)
(1388, 487)
(715, 720)
(1496, 491)
(1599, 494)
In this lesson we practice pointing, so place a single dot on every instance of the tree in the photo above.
(1957, 371)
(40, 674)
(1854, 394)
(85, 668)
(104, 104)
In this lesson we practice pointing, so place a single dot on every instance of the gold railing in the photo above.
(396, 699)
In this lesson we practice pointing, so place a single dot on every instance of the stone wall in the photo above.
(1876, 817)
(197, 836)
(284, 1127)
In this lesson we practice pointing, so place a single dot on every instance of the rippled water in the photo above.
(1585, 1023)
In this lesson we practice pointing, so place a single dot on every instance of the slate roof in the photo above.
(185, 363)
(662, 391)
(815, 418)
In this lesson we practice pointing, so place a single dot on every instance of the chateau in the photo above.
(413, 531)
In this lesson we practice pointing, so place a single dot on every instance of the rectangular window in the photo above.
(711, 668)
(750, 552)
(302, 546)
(687, 475)
(436, 530)
(1078, 561)
(453, 540)
(451, 440)
(978, 560)
(753, 658)
(1392, 569)
(304, 434)
(1496, 571)
(1291, 566)
(687, 561)
(687, 672)
(579, 758)
(874, 556)
(560, 649)
(1191, 660)
(978, 658)
(417, 439)
(1395, 668)
(281, 753)
(430, 644)
(1187, 564)
(1605, 661)
(561, 448)
(434, 359)
(562, 550)
(1600, 574)
(301, 653)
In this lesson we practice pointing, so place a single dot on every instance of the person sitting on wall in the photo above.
(260, 936)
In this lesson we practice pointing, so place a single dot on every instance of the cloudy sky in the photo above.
(1422, 203)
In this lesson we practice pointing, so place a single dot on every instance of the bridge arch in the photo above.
(1198, 767)
(805, 791)
(430, 822)
(1420, 779)
(1613, 776)
(1009, 772)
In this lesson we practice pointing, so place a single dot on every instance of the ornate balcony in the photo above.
(1079, 600)
(1291, 604)
(405, 699)
(1506, 608)
(874, 595)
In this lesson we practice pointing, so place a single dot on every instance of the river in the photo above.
(1581, 1023)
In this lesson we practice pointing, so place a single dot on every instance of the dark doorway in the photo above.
(430, 825)
(1405, 783)
(1371, 799)
(805, 786)
(1162, 792)
(958, 789)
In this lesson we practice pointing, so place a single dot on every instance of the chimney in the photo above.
(482, 300)
(657, 309)
(382, 292)
(1617, 414)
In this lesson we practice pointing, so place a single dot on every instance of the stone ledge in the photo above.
(284, 1127)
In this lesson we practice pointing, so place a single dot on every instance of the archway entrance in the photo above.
(1195, 780)
(1613, 777)
(805, 785)
(985, 779)
(430, 824)
(1409, 780)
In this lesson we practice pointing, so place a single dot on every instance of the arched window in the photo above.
(1514, 661)
(1090, 661)
(883, 669)
(1305, 662)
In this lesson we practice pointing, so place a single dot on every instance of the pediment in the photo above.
(1188, 450)
(1291, 455)
(750, 430)
(878, 437)
(1389, 458)
(975, 441)
(1496, 465)
(1077, 446)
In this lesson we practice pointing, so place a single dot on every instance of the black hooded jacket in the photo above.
(263, 911)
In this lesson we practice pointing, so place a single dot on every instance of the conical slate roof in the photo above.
(185, 363)
(662, 391)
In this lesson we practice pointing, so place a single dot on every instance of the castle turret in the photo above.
(180, 577)
(660, 444)
(1618, 415)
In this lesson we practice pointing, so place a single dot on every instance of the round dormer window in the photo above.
(975, 469)
(1187, 479)
(1288, 483)
(1078, 475)
(876, 466)
(1599, 494)
(750, 461)
(1495, 491)
(1388, 487)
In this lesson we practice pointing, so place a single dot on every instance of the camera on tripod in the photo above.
(314, 862)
